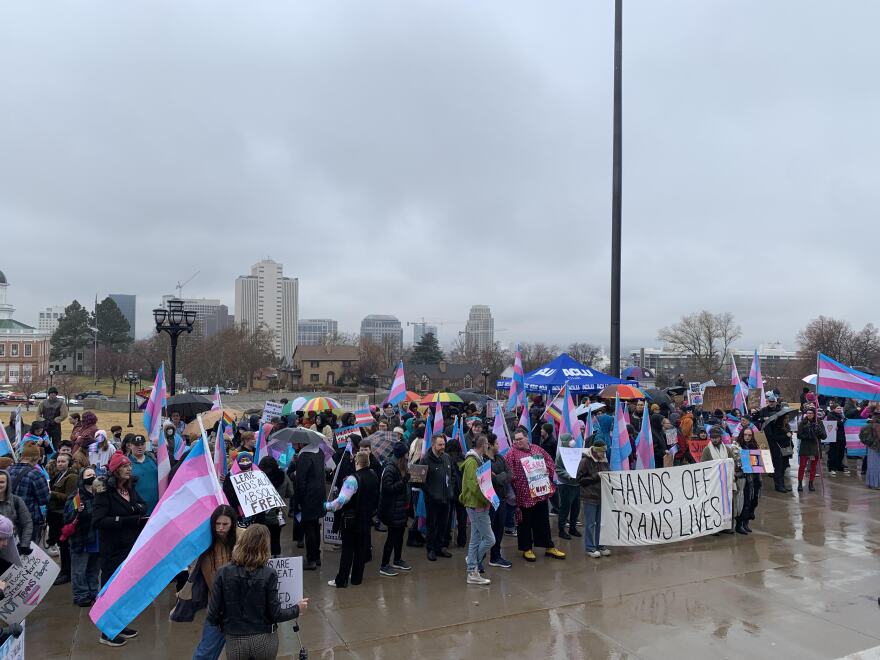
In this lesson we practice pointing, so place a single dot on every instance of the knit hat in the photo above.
(6, 528)
(399, 450)
(398, 429)
(244, 455)
(117, 461)
(565, 440)
(31, 451)
(716, 432)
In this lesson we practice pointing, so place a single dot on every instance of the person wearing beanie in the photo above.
(28, 481)
(569, 500)
(716, 450)
(118, 516)
(393, 499)
(593, 462)
(14, 508)
(85, 562)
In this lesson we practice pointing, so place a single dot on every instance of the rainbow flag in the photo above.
(228, 419)
(176, 533)
(153, 425)
(517, 383)
(554, 411)
(397, 393)
(77, 501)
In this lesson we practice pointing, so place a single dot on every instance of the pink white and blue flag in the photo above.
(499, 428)
(620, 447)
(215, 400)
(260, 444)
(179, 446)
(220, 450)
(525, 420)
(176, 533)
(569, 421)
(153, 425)
(517, 383)
(429, 431)
(363, 417)
(756, 380)
(439, 422)
(645, 446)
(836, 379)
(398, 386)
(458, 434)
(5, 445)
(739, 389)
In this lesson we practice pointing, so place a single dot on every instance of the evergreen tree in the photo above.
(113, 327)
(72, 333)
(427, 351)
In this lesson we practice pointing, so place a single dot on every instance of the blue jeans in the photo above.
(592, 525)
(482, 538)
(84, 570)
(211, 645)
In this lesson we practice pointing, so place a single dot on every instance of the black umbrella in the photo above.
(781, 413)
(188, 405)
(659, 396)
(298, 435)
(674, 391)
(469, 396)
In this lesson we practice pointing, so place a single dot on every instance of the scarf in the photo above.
(718, 453)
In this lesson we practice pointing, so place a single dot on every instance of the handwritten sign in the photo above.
(756, 461)
(290, 579)
(26, 585)
(536, 474)
(255, 492)
(271, 410)
(484, 479)
(648, 507)
(830, 431)
(571, 459)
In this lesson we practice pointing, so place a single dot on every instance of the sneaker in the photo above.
(128, 633)
(833, 473)
(595, 554)
(53, 551)
(556, 553)
(605, 552)
(332, 583)
(387, 571)
(574, 532)
(529, 555)
(473, 577)
(501, 562)
(432, 556)
(401, 565)
(119, 640)
(510, 531)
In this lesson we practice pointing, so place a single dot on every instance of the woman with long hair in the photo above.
(223, 535)
(753, 484)
(244, 601)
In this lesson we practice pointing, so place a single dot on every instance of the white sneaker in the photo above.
(53, 551)
(595, 554)
(833, 473)
(474, 577)
(605, 552)
(332, 583)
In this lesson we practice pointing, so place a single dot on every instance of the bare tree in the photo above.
(584, 353)
(371, 360)
(496, 360)
(837, 339)
(706, 337)
(65, 383)
(114, 363)
(537, 355)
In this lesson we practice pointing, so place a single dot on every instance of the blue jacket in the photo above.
(147, 483)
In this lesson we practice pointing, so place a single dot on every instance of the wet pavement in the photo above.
(803, 585)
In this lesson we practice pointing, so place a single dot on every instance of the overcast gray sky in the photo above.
(414, 158)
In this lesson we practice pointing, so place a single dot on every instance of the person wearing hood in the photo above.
(393, 499)
(716, 450)
(274, 518)
(869, 436)
(14, 508)
(244, 461)
(604, 424)
(85, 562)
(309, 493)
(101, 451)
(26, 479)
(8, 555)
(477, 507)
(37, 435)
(118, 514)
(837, 450)
(569, 502)
(84, 435)
(593, 462)
(61, 485)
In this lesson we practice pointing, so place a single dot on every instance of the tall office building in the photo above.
(312, 332)
(383, 330)
(480, 328)
(422, 329)
(212, 316)
(48, 319)
(266, 297)
(127, 304)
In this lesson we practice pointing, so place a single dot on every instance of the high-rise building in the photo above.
(24, 351)
(480, 329)
(127, 304)
(212, 316)
(422, 329)
(48, 319)
(383, 330)
(312, 332)
(266, 297)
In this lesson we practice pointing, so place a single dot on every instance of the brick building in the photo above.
(24, 350)
(314, 366)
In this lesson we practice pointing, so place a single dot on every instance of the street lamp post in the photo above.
(485, 374)
(51, 375)
(132, 378)
(616, 189)
(375, 379)
(175, 321)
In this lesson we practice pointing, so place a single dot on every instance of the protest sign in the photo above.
(536, 474)
(484, 479)
(13, 647)
(571, 459)
(695, 394)
(719, 397)
(756, 461)
(330, 537)
(255, 492)
(26, 585)
(290, 579)
(271, 410)
(648, 507)
(491, 408)
(830, 431)
(344, 432)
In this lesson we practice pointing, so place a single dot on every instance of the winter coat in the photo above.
(869, 436)
(393, 496)
(707, 452)
(117, 520)
(147, 483)
(471, 496)
(810, 434)
(438, 479)
(85, 538)
(518, 475)
(309, 486)
(245, 602)
(61, 488)
(500, 476)
(32, 487)
(588, 477)
(84, 434)
(14, 508)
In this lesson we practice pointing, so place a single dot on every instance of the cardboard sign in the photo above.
(255, 492)
(536, 474)
(290, 579)
(271, 410)
(756, 461)
(26, 585)
(697, 447)
(571, 459)
(484, 479)
(13, 647)
(649, 507)
(719, 397)
(830, 431)
(417, 473)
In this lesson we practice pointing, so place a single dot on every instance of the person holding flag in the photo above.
(82, 537)
(501, 483)
(478, 512)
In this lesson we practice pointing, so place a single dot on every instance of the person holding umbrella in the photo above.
(309, 496)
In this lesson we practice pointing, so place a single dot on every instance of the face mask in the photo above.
(88, 481)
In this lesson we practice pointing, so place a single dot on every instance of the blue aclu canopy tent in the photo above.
(550, 378)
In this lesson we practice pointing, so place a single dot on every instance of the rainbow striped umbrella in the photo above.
(621, 391)
(441, 397)
(320, 403)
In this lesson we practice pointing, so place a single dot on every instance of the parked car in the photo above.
(14, 398)
(231, 392)
(36, 397)
(90, 394)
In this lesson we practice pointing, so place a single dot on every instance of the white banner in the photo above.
(271, 410)
(290, 579)
(255, 492)
(648, 507)
(26, 585)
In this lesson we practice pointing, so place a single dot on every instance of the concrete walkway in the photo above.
(804, 585)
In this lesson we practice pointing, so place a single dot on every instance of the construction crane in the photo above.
(180, 286)
(430, 322)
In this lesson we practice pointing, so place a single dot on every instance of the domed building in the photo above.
(24, 350)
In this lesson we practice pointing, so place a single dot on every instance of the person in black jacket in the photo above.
(501, 484)
(309, 495)
(245, 461)
(438, 495)
(244, 599)
(118, 514)
(393, 499)
(356, 506)
(837, 450)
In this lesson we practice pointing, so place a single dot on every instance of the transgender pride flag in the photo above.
(620, 448)
(756, 380)
(836, 379)
(177, 532)
(153, 424)
(215, 400)
(645, 446)
(739, 390)
(569, 421)
(398, 386)
(5, 445)
(517, 383)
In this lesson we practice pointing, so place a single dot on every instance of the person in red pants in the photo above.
(810, 432)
